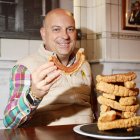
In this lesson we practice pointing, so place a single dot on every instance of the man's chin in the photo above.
(65, 51)
(63, 54)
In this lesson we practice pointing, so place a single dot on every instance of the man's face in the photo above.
(60, 34)
(137, 6)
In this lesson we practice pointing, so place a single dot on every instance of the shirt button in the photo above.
(28, 111)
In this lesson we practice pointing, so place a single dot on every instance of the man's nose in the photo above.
(65, 34)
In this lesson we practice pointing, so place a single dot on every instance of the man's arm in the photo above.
(18, 109)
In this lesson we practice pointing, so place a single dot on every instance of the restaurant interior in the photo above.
(110, 41)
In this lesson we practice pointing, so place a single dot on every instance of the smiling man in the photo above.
(42, 94)
(59, 34)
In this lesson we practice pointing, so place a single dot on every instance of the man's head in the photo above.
(137, 5)
(59, 33)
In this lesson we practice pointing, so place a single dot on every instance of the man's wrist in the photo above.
(34, 96)
(32, 100)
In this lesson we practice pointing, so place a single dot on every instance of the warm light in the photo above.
(126, 15)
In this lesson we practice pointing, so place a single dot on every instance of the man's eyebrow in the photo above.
(71, 27)
(60, 26)
(55, 26)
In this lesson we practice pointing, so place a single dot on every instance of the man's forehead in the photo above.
(60, 26)
(60, 21)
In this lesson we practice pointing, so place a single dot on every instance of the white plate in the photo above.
(91, 130)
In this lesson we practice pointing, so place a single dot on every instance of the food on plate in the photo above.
(80, 58)
(128, 100)
(116, 105)
(123, 77)
(118, 102)
(130, 84)
(109, 96)
(116, 90)
(119, 123)
(126, 115)
(107, 116)
(104, 108)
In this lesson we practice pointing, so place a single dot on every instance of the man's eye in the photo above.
(55, 30)
(71, 30)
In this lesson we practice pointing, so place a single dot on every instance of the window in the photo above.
(23, 18)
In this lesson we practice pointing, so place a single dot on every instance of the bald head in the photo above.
(59, 11)
(53, 14)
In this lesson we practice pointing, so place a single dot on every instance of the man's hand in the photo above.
(43, 78)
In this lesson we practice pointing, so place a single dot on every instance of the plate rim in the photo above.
(79, 131)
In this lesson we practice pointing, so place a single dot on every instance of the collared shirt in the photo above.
(18, 109)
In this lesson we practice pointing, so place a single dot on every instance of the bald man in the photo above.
(40, 93)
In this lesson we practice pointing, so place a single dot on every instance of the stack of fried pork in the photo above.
(118, 101)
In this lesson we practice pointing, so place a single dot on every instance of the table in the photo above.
(62, 132)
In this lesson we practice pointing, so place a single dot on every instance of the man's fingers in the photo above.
(45, 66)
(47, 86)
(49, 79)
(52, 76)
(46, 72)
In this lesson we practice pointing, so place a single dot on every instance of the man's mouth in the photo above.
(64, 44)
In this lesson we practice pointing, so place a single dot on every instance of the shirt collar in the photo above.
(47, 54)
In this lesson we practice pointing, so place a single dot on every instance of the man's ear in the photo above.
(42, 32)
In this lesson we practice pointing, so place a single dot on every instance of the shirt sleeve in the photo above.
(18, 109)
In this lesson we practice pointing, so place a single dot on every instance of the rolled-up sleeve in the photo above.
(18, 108)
